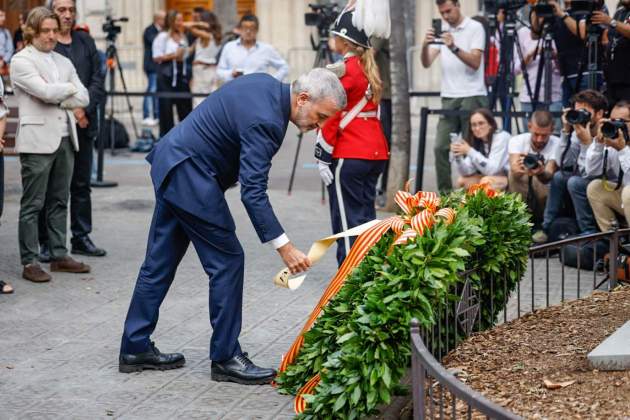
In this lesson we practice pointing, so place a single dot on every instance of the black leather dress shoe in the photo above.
(152, 359)
(44, 254)
(83, 245)
(241, 370)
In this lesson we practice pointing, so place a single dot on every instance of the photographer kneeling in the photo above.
(611, 150)
(482, 156)
(533, 162)
(580, 124)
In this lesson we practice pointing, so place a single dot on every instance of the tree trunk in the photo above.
(226, 12)
(401, 125)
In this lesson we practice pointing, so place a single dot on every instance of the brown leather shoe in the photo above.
(68, 264)
(33, 272)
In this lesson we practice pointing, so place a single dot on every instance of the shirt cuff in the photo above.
(598, 147)
(280, 241)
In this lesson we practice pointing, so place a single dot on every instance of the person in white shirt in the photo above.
(611, 198)
(483, 155)
(531, 48)
(533, 161)
(170, 50)
(461, 47)
(569, 185)
(247, 55)
(208, 34)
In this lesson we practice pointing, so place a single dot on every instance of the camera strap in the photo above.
(605, 170)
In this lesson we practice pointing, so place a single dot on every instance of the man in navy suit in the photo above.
(232, 136)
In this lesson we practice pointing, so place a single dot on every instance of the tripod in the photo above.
(591, 47)
(323, 57)
(544, 69)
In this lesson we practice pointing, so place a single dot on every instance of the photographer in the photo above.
(482, 156)
(611, 144)
(463, 85)
(569, 34)
(617, 66)
(533, 158)
(581, 124)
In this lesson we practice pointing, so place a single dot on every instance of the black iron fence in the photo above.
(436, 391)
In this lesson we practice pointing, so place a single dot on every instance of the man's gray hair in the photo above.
(321, 84)
(49, 3)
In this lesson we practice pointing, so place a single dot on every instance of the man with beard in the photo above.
(231, 136)
(79, 47)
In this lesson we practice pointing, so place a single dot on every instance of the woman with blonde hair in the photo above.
(351, 148)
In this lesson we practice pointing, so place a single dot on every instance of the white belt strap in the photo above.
(351, 115)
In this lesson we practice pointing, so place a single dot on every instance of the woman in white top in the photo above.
(483, 156)
(170, 50)
(208, 33)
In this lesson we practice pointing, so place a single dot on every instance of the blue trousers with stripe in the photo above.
(352, 196)
(222, 258)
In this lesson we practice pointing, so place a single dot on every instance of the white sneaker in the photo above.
(150, 122)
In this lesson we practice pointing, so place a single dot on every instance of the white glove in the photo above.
(324, 172)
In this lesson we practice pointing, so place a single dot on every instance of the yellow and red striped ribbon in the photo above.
(420, 213)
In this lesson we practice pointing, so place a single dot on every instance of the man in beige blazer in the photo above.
(47, 89)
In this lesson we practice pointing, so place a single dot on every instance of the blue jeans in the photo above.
(568, 87)
(575, 186)
(150, 107)
(553, 107)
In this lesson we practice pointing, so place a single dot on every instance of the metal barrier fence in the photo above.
(436, 391)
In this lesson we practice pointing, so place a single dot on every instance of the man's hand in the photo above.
(583, 133)
(566, 127)
(429, 37)
(448, 39)
(1, 144)
(79, 114)
(557, 10)
(325, 173)
(618, 143)
(294, 259)
(537, 170)
(600, 18)
(237, 73)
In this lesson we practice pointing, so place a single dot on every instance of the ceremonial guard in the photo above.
(351, 147)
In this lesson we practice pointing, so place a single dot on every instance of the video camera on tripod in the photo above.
(322, 16)
(111, 29)
(583, 9)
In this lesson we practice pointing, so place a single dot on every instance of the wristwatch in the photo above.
(565, 15)
(613, 24)
(454, 49)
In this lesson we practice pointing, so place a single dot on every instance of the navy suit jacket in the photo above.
(231, 136)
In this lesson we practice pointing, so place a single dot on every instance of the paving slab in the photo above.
(614, 352)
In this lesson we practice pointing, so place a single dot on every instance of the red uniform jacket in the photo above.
(363, 138)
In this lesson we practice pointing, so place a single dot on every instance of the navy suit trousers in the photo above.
(352, 195)
(222, 258)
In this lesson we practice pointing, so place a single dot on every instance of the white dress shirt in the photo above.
(256, 59)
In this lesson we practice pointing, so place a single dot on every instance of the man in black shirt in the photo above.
(617, 65)
(79, 47)
(569, 35)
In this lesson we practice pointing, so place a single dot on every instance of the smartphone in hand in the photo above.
(436, 24)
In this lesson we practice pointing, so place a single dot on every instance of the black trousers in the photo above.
(80, 191)
(386, 123)
(184, 106)
(352, 196)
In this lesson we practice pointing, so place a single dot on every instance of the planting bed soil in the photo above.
(536, 366)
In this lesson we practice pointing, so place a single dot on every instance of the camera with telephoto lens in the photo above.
(533, 160)
(610, 129)
(578, 117)
(110, 28)
(322, 16)
(492, 7)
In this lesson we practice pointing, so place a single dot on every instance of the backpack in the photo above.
(592, 250)
(121, 137)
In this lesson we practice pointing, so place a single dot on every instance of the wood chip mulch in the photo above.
(536, 366)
